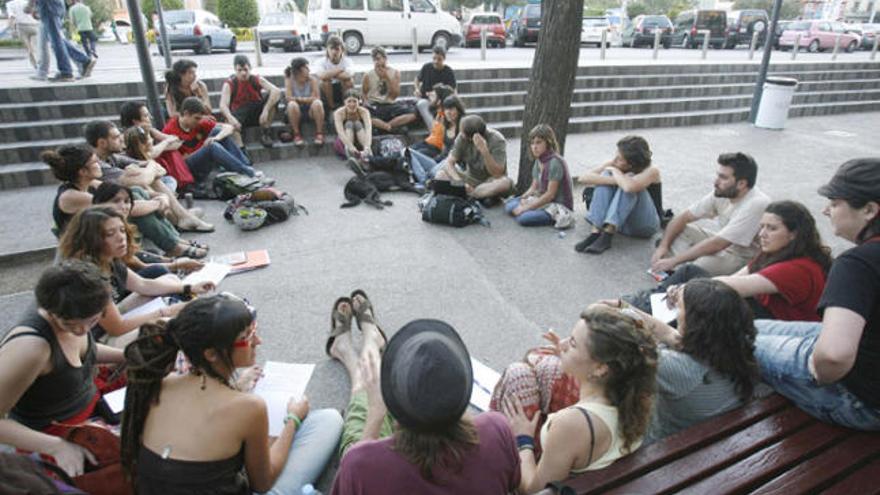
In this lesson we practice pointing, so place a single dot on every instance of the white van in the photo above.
(382, 23)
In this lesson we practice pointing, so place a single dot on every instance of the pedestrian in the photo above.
(81, 18)
(51, 13)
(25, 26)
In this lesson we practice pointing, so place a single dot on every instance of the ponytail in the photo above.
(67, 161)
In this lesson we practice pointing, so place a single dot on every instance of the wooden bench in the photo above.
(767, 447)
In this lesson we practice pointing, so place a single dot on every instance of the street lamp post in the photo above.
(765, 61)
(163, 36)
(146, 65)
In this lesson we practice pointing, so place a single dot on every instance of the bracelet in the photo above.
(525, 442)
(293, 417)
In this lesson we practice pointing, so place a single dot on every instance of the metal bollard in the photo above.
(836, 48)
(874, 50)
(415, 44)
(257, 48)
(706, 34)
(656, 43)
(796, 47)
(753, 44)
(483, 43)
(605, 42)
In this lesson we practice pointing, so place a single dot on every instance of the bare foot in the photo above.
(372, 335)
(247, 379)
(342, 346)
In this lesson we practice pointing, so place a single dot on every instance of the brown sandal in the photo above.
(364, 312)
(339, 323)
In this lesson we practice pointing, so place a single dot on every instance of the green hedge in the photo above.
(238, 13)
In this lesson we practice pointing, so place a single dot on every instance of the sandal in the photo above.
(339, 323)
(194, 253)
(319, 139)
(364, 312)
(298, 141)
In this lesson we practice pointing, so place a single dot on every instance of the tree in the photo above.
(554, 66)
(102, 11)
(210, 6)
(238, 13)
(148, 7)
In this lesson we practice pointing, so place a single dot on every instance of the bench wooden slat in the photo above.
(655, 455)
(702, 462)
(865, 481)
(763, 465)
(825, 468)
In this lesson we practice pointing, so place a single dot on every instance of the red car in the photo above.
(495, 34)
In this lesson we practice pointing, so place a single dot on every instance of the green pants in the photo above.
(154, 226)
(356, 419)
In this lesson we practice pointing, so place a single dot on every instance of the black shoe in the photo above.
(584, 244)
(266, 138)
(601, 244)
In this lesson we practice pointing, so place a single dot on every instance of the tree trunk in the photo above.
(548, 100)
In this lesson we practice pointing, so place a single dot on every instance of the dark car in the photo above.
(689, 24)
(780, 27)
(742, 24)
(869, 34)
(528, 25)
(641, 31)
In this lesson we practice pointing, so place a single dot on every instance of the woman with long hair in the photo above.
(426, 156)
(99, 235)
(551, 183)
(166, 148)
(78, 170)
(198, 432)
(181, 82)
(612, 360)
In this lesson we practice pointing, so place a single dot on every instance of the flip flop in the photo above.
(339, 323)
(365, 312)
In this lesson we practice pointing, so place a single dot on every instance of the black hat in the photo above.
(857, 179)
(426, 376)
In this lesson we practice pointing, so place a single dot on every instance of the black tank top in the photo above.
(61, 218)
(62, 393)
(158, 476)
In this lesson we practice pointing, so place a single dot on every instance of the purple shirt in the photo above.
(489, 468)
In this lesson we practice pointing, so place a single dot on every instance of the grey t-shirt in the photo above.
(556, 172)
(688, 392)
(475, 172)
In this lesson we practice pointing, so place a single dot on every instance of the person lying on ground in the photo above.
(381, 88)
(303, 101)
(479, 159)
(243, 104)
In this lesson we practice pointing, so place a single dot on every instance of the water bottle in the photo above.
(309, 489)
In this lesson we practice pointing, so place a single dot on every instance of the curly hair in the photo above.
(83, 239)
(207, 323)
(806, 243)
(719, 331)
(630, 353)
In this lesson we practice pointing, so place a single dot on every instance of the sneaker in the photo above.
(88, 67)
(62, 78)
(266, 138)
(584, 244)
(601, 244)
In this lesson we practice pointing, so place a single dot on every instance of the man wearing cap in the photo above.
(736, 205)
(829, 369)
(423, 384)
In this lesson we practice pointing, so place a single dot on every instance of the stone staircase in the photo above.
(606, 97)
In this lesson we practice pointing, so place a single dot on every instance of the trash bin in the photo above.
(775, 101)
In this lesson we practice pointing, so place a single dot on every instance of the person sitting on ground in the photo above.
(407, 429)
(335, 72)
(784, 281)
(48, 362)
(100, 235)
(621, 201)
(829, 368)
(203, 432)
(147, 178)
(165, 150)
(551, 182)
(610, 364)
(353, 125)
(303, 100)
(432, 73)
(426, 156)
(243, 104)
(381, 87)
(144, 263)
(707, 365)
(207, 144)
(78, 170)
(479, 158)
(736, 203)
(182, 82)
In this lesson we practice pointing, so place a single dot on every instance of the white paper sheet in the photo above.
(485, 379)
(211, 272)
(116, 400)
(154, 304)
(279, 383)
(660, 310)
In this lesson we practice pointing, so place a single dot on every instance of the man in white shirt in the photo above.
(736, 205)
(334, 73)
(22, 23)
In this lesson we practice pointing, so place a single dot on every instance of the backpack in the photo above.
(277, 205)
(253, 81)
(389, 146)
(227, 185)
(451, 210)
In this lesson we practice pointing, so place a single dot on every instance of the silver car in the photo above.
(197, 30)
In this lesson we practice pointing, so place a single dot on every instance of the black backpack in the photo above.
(451, 210)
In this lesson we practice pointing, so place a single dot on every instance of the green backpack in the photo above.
(228, 185)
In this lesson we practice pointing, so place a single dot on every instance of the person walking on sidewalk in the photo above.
(51, 14)
(81, 19)
(23, 24)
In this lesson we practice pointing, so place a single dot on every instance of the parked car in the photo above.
(283, 29)
(528, 25)
(495, 32)
(689, 24)
(742, 24)
(781, 26)
(382, 22)
(641, 31)
(197, 30)
(592, 29)
(817, 36)
(869, 34)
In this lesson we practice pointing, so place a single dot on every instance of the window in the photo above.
(421, 6)
(385, 5)
(485, 19)
(346, 4)
(824, 26)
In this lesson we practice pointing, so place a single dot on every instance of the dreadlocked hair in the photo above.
(207, 323)
(630, 353)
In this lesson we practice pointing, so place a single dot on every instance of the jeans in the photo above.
(783, 349)
(631, 213)
(170, 182)
(223, 153)
(52, 31)
(423, 166)
(153, 271)
(88, 40)
(529, 218)
(313, 445)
